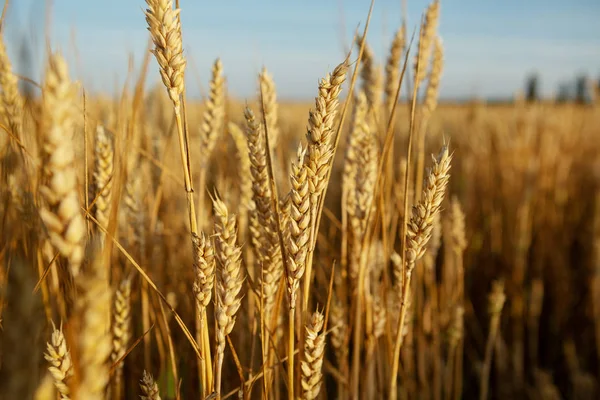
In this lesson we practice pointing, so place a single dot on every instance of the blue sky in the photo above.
(490, 46)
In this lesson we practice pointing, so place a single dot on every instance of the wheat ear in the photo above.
(121, 330)
(319, 152)
(149, 387)
(103, 174)
(420, 225)
(204, 269)
(214, 115)
(435, 76)
(298, 225)
(269, 97)
(229, 281)
(419, 231)
(426, 35)
(61, 211)
(59, 358)
(165, 28)
(11, 104)
(268, 249)
(361, 164)
(314, 351)
(372, 77)
(392, 67)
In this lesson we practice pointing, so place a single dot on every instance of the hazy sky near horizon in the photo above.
(490, 47)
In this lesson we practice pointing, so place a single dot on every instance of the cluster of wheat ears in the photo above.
(262, 263)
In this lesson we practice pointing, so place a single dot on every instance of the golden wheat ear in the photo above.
(149, 387)
(61, 209)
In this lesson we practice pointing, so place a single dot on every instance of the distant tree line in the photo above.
(582, 89)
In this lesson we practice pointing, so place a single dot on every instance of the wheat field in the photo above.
(372, 244)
